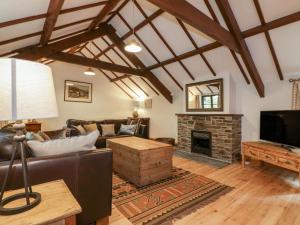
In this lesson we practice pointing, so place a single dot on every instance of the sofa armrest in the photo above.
(88, 175)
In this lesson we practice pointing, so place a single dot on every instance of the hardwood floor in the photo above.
(262, 195)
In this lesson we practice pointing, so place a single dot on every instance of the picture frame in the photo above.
(77, 91)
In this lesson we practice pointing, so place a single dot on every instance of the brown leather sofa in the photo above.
(142, 132)
(88, 175)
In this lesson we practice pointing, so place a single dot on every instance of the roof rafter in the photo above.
(245, 53)
(186, 12)
(103, 13)
(52, 15)
(79, 60)
(35, 52)
(139, 64)
(269, 40)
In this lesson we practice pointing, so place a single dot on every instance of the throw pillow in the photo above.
(127, 129)
(61, 146)
(108, 129)
(136, 122)
(90, 127)
(30, 136)
(80, 129)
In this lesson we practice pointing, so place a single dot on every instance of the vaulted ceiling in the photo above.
(255, 40)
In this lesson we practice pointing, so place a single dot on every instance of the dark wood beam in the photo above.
(44, 15)
(269, 40)
(292, 18)
(108, 77)
(103, 13)
(35, 53)
(215, 18)
(79, 60)
(120, 78)
(164, 41)
(186, 55)
(136, 28)
(189, 14)
(196, 46)
(245, 53)
(113, 13)
(139, 64)
(52, 15)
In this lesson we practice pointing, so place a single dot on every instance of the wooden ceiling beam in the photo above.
(52, 15)
(36, 52)
(44, 15)
(120, 78)
(116, 76)
(215, 18)
(79, 60)
(269, 40)
(103, 13)
(189, 14)
(245, 53)
(283, 21)
(139, 64)
(196, 46)
(108, 77)
(136, 28)
(113, 13)
(150, 52)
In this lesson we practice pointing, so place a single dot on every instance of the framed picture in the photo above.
(76, 91)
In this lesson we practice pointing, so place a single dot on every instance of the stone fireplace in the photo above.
(215, 135)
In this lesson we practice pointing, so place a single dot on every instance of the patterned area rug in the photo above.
(167, 199)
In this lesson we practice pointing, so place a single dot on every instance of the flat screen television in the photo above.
(281, 127)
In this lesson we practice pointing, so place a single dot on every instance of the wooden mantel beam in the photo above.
(189, 14)
(52, 15)
(35, 52)
(104, 12)
(83, 61)
(233, 26)
(117, 41)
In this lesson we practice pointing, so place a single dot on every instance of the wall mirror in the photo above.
(204, 96)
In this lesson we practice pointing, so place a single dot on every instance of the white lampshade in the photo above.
(26, 90)
(133, 46)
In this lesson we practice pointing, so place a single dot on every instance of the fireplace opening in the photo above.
(201, 142)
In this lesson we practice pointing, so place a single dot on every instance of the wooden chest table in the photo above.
(57, 204)
(141, 161)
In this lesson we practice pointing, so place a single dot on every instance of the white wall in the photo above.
(109, 102)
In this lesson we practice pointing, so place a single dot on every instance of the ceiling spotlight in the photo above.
(89, 72)
(133, 46)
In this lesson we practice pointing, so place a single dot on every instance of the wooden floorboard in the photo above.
(262, 195)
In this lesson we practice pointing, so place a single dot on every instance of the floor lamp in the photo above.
(26, 92)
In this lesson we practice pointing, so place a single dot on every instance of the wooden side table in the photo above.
(33, 126)
(57, 204)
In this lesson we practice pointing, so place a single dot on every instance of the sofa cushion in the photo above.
(90, 127)
(127, 129)
(108, 129)
(61, 146)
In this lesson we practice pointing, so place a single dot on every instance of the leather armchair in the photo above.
(87, 174)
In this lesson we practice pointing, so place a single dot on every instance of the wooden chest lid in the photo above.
(140, 144)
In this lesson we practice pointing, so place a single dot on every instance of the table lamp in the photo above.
(26, 92)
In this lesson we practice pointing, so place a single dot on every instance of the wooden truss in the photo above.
(74, 47)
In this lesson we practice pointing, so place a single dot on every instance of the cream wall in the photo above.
(109, 102)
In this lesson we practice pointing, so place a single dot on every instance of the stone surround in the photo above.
(225, 129)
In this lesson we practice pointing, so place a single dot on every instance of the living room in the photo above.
(132, 126)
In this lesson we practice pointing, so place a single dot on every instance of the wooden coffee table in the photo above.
(141, 161)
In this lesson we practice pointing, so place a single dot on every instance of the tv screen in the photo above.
(281, 127)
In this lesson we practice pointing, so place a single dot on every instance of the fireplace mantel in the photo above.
(207, 114)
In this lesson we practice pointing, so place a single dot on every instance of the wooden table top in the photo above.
(137, 143)
(57, 204)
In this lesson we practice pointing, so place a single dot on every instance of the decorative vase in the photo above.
(135, 114)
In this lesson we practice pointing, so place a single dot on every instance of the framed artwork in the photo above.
(76, 91)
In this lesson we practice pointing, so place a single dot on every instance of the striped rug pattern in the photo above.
(162, 201)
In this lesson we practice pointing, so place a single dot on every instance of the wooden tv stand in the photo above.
(270, 153)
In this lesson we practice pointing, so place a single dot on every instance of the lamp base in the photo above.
(11, 211)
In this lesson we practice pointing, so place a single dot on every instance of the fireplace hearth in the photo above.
(201, 142)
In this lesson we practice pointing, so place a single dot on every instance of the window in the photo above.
(210, 101)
